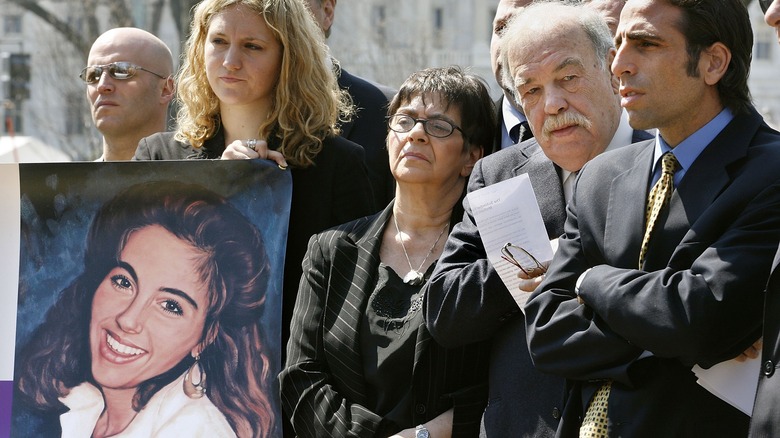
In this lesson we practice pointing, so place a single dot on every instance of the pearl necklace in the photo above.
(415, 277)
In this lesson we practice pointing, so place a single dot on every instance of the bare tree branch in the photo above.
(73, 37)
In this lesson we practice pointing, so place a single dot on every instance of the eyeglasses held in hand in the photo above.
(438, 128)
(507, 255)
(765, 4)
(117, 70)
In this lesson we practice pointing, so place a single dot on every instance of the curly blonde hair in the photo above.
(307, 105)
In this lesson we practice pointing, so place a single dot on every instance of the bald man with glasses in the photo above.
(129, 81)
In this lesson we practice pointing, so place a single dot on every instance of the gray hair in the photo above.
(590, 21)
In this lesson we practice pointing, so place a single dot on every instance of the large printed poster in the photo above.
(141, 298)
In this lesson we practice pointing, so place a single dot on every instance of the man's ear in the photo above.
(474, 154)
(714, 62)
(329, 9)
(168, 91)
(615, 81)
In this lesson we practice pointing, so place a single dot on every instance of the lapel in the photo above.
(420, 348)
(776, 263)
(349, 295)
(640, 135)
(546, 184)
(499, 127)
(625, 217)
(709, 175)
(357, 253)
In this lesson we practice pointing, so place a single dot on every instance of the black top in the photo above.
(331, 192)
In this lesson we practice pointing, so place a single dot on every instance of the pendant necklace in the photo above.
(415, 277)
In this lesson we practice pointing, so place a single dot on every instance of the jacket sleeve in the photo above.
(703, 307)
(309, 398)
(466, 301)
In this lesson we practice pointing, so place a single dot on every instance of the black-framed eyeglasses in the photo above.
(765, 4)
(507, 255)
(438, 128)
(117, 70)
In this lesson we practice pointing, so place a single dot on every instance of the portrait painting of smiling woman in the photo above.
(160, 333)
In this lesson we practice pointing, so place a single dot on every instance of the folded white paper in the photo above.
(732, 381)
(507, 212)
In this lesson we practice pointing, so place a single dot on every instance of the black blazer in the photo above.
(698, 299)
(323, 388)
(368, 128)
(466, 300)
(765, 422)
(332, 191)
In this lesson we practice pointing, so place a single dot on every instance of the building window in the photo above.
(379, 17)
(438, 27)
(12, 24)
(491, 16)
(77, 115)
(762, 45)
(438, 19)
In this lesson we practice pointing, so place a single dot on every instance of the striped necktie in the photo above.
(658, 199)
(595, 424)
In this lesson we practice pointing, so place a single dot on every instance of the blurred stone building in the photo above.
(381, 40)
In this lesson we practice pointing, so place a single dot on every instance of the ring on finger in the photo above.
(252, 144)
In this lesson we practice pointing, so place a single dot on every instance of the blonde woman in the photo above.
(256, 83)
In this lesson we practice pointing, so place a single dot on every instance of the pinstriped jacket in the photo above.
(323, 389)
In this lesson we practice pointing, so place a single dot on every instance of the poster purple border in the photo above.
(68, 194)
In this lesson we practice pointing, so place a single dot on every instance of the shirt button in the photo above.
(556, 413)
(769, 368)
(420, 409)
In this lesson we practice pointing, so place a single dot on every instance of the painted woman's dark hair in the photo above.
(233, 264)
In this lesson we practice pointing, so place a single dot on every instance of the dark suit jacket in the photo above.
(368, 128)
(499, 103)
(333, 191)
(466, 300)
(322, 385)
(765, 422)
(697, 301)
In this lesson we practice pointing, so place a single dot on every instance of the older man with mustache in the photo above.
(560, 73)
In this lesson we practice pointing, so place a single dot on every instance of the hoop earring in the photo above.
(195, 380)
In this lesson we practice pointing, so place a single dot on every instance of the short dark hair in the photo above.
(466, 91)
(705, 22)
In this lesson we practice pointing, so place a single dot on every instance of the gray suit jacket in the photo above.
(698, 299)
(467, 302)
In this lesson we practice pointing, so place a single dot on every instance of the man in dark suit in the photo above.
(636, 296)
(765, 422)
(466, 300)
(512, 124)
(368, 127)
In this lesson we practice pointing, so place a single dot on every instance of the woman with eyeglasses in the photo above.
(256, 83)
(159, 336)
(360, 361)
